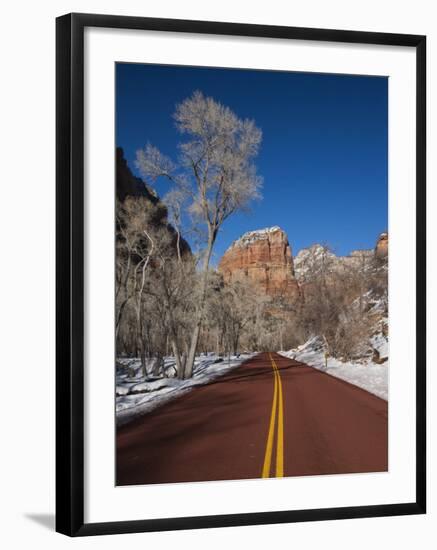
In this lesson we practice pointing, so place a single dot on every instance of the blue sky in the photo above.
(323, 156)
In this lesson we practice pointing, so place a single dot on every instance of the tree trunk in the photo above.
(178, 244)
(177, 355)
(157, 365)
(236, 341)
(188, 371)
(143, 359)
(217, 349)
(120, 315)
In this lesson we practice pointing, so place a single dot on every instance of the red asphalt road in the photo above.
(221, 431)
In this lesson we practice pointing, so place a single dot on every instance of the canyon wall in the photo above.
(381, 249)
(264, 258)
(127, 185)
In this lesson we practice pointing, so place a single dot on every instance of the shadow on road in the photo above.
(254, 375)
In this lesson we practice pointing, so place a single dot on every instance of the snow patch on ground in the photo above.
(380, 343)
(137, 395)
(366, 374)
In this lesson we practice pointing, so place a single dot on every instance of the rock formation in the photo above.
(128, 185)
(264, 258)
(381, 248)
(317, 258)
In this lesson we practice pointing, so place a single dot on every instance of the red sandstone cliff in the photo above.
(381, 249)
(264, 258)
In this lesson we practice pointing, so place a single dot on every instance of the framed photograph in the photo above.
(240, 274)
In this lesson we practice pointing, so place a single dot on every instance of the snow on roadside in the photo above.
(366, 375)
(136, 395)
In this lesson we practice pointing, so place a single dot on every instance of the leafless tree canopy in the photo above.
(213, 177)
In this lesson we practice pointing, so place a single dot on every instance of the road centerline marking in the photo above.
(280, 434)
(271, 433)
(276, 425)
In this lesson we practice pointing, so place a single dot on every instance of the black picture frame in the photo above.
(70, 273)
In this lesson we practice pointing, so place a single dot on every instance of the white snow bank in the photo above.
(366, 375)
(136, 395)
(380, 343)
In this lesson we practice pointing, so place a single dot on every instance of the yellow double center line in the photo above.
(276, 421)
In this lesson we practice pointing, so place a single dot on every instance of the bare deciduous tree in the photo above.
(215, 173)
(134, 250)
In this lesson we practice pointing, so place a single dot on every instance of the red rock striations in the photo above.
(264, 258)
(381, 249)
